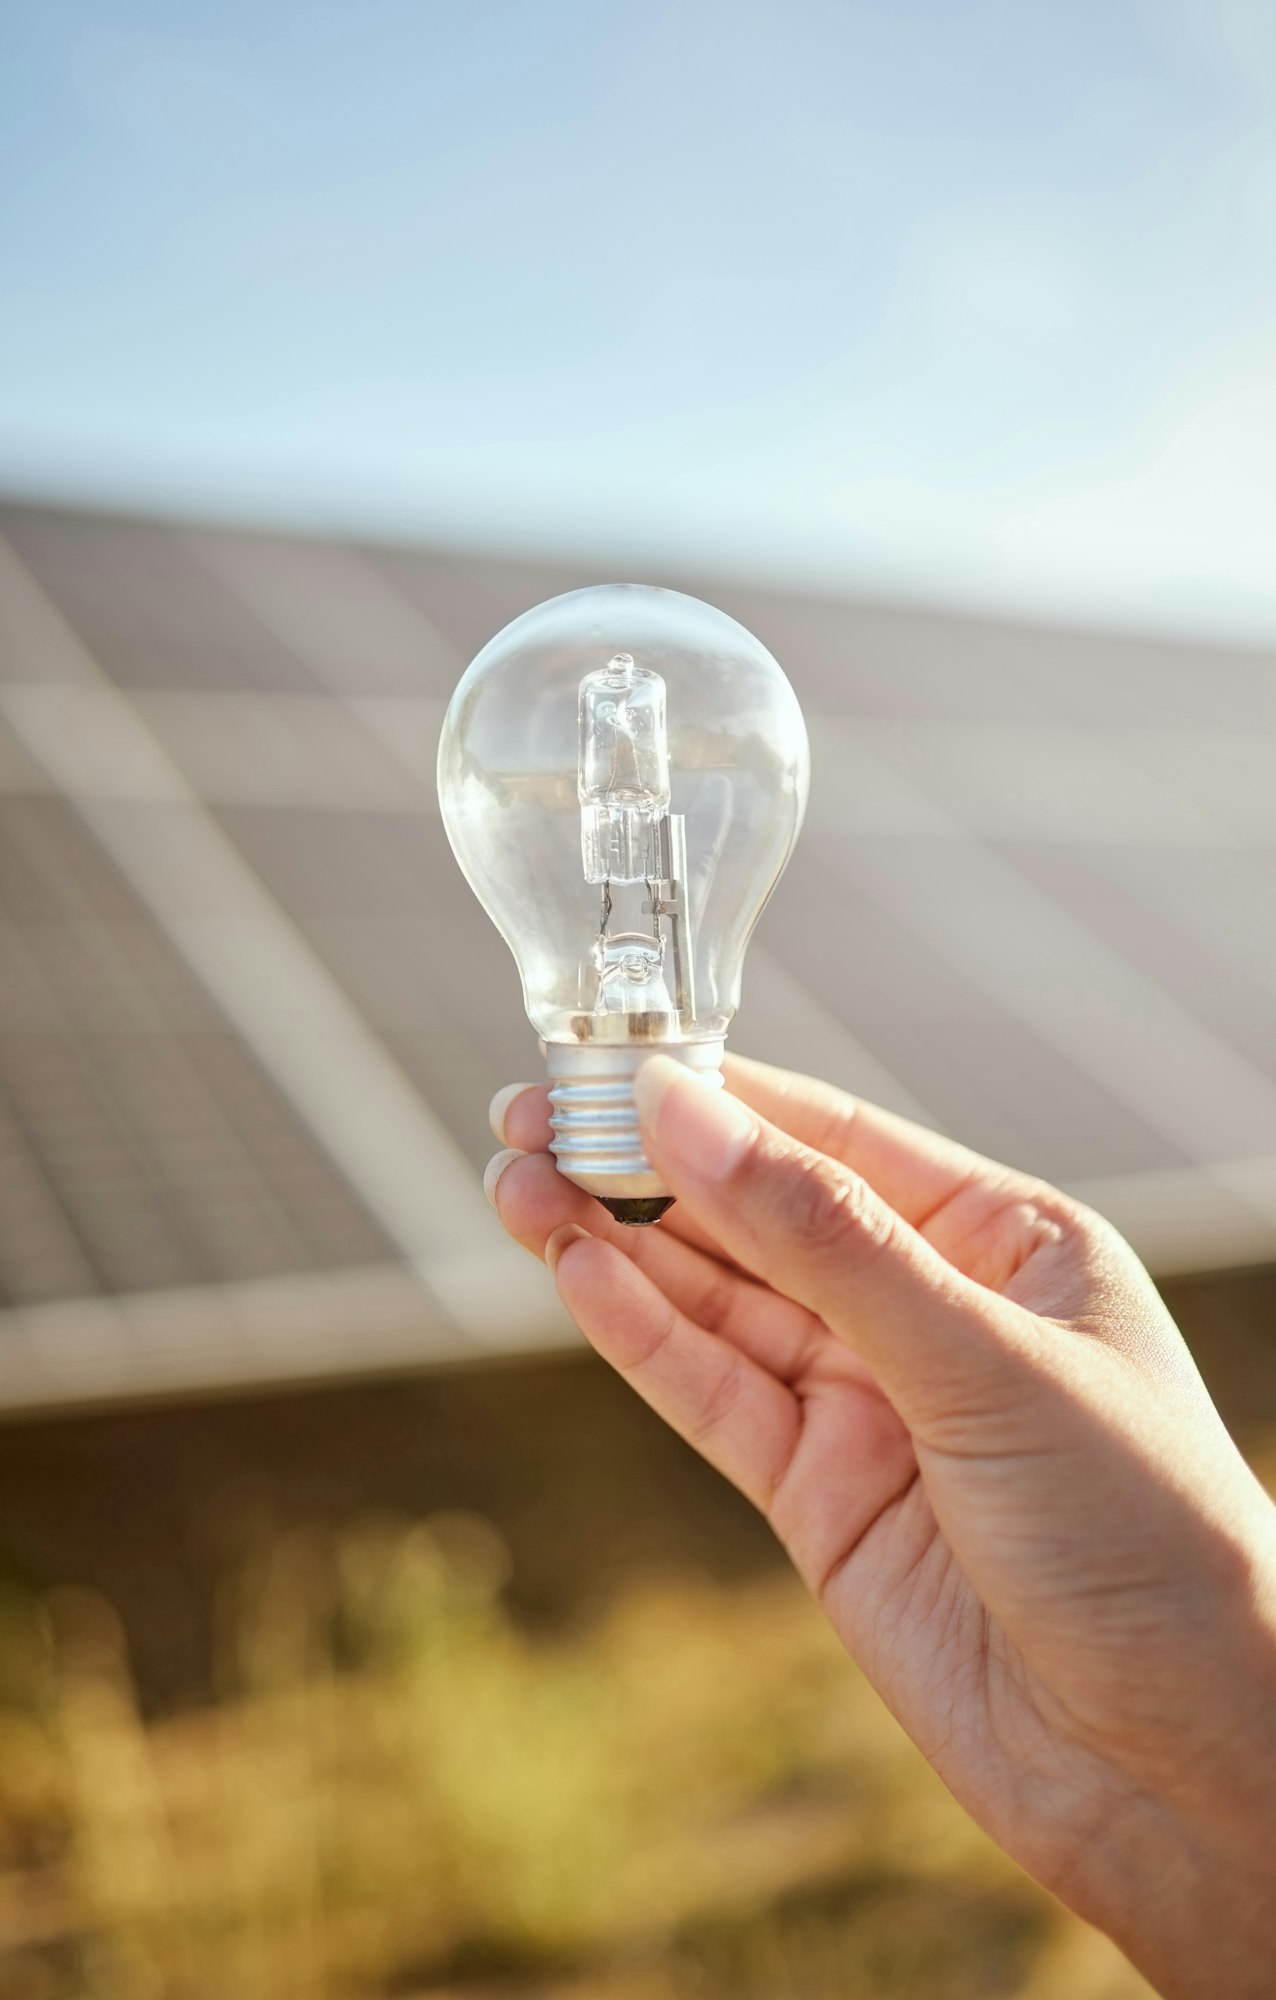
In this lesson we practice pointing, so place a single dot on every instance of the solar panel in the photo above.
(1031, 907)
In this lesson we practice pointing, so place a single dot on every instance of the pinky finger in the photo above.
(742, 1419)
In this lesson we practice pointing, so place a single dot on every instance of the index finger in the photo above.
(914, 1169)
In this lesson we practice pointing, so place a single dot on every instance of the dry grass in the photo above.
(401, 1791)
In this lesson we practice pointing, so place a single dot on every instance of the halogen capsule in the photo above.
(623, 780)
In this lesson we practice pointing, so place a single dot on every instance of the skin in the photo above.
(961, 1404)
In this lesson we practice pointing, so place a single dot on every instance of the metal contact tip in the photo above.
(634, 1211)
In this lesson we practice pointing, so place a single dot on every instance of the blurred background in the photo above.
(359, 1635)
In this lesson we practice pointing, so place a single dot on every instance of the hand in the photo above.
(964, 1409)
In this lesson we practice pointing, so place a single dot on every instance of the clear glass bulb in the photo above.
(622, 774)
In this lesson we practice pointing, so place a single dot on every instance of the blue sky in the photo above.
(959, 299)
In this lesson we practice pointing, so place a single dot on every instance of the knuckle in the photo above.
(713, 1305)
(1100, 1247)
(826, 1210)
(718, 1404)
(1085, 1223)
(1052, 1202)
(659, 1341)
(1081, 1227)
(1040, 1208)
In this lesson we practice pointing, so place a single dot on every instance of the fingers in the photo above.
(535, 1202)
(814, 1230)
(744, 1421)
(915, 1170)
(519, 1117)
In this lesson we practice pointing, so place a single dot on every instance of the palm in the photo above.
(902, 1543)
(854, 1509)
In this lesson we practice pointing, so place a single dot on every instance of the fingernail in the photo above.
(495, 1168)
(558, 1241)
(691, 1124)
(500, 1105)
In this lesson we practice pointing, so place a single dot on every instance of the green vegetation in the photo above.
(691, 1795)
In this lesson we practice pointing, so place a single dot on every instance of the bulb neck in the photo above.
(595, 1121)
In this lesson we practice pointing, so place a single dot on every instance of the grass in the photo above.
(400, 1789)
(587, 1741)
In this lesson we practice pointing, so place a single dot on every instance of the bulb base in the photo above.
(595, 1121)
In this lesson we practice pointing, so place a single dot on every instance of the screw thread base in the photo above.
(595, 1121)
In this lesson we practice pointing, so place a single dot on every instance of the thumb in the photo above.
(943, 1348)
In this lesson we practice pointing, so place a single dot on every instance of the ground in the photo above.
(479, 1685)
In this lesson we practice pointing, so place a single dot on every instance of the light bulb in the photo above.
(622, 775)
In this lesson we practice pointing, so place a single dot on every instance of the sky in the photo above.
(959, 300)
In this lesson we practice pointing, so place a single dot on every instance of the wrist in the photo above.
(1191, 1905)
(1183, 1876)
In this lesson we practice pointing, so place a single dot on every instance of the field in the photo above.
(268, 1730)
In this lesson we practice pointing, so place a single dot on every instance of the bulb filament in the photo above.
(631, 841)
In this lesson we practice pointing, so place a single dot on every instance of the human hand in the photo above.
(970, 1420)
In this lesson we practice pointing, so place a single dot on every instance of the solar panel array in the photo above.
(250, 1015)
